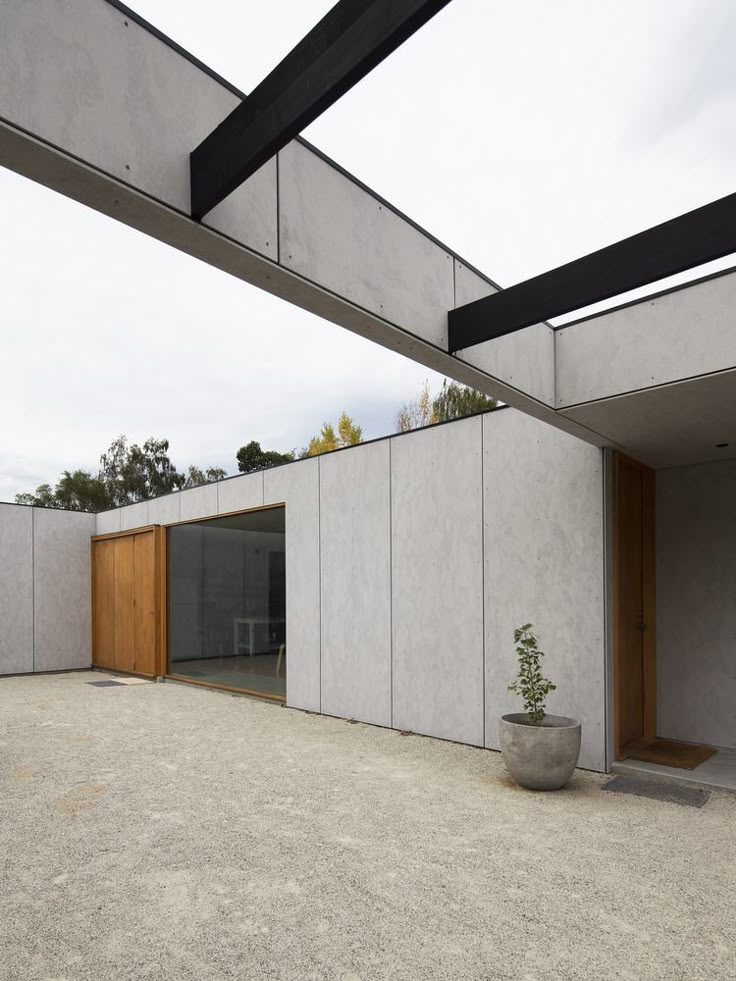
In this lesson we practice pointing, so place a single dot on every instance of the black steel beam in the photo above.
(682, 243)
(354, 37)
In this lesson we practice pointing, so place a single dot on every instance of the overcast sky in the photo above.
(523, 135)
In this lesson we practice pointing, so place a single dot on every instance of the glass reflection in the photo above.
(227, 601)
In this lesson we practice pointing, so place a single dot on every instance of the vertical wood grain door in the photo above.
(124, 606)
(103, 604)
(144, 605)
(634, 610)
(125, 602)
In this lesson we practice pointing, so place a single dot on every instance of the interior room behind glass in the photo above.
(227, 601)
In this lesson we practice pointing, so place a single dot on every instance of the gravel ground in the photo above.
(170, 832)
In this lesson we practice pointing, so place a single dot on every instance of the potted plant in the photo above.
(540, 751)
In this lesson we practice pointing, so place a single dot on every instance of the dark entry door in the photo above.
(634, 609)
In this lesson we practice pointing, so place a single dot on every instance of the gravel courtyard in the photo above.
(160, 831)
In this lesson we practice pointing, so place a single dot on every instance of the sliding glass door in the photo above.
(227, 601)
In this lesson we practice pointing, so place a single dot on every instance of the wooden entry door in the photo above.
(634, 603)
(126, 602)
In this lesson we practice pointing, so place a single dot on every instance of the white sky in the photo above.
(521, 134)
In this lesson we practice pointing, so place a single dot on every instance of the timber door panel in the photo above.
(103, 604)
(126, 602)
(145, 605)
(634, 605)
(631, 605)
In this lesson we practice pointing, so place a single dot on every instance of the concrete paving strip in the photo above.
(171, 833)
(116, 680)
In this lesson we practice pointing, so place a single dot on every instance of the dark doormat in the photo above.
(105, 684)
(668, 752)
(672, 793)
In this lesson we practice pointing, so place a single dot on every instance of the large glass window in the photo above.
(227, 601)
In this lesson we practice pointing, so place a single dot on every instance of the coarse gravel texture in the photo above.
(163, 831)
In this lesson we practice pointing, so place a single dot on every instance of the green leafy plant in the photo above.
(530, 683)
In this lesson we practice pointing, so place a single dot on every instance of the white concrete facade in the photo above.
(98, 105)
(696, 603)
(410, 560)
(44, 589)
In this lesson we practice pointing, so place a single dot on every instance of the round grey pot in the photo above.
(540, 757)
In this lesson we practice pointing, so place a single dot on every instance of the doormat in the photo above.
(672, 793)
(667, 752)
(105, 684)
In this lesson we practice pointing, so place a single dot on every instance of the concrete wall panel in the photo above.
(240, 493)
(297, 486)
(437, 579)
(134, 516)
(100, 108)
(108, 522)
(16, 589)
(138, 111)
(249, 214)
(61, 563)
(675, 425)
(355, 523)
(164, 510)
(344, 239)
(524, 359)
(199, 502)
(667, 338)
(696, 603)
(543, 511)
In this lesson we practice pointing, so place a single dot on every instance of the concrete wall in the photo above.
(525, 358)
(297, 486)
(409, 561)
(696, 603)
(544, 563)
(16, 589)
(101, 108)
(97, 105)
(355, 549)
(437, 564)
(44, 589)
(660, 339)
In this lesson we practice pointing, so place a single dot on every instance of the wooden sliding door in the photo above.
(127, 602)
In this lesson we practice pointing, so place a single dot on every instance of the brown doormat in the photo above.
(667, 752)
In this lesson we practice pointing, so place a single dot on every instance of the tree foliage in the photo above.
(348, 434)
(134, 473)
(196, 477)
(454, 401)
(530, 683)
(417, 413)
(128, 473)
(77, 491)
(251, 457)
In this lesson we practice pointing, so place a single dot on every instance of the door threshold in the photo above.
(716, 773)
(124, 674)
(667, 752)
(238, 691)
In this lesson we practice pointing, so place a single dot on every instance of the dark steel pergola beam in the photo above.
(677, 245)
(354, 37)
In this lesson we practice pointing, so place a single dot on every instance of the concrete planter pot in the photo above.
(540, 757)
